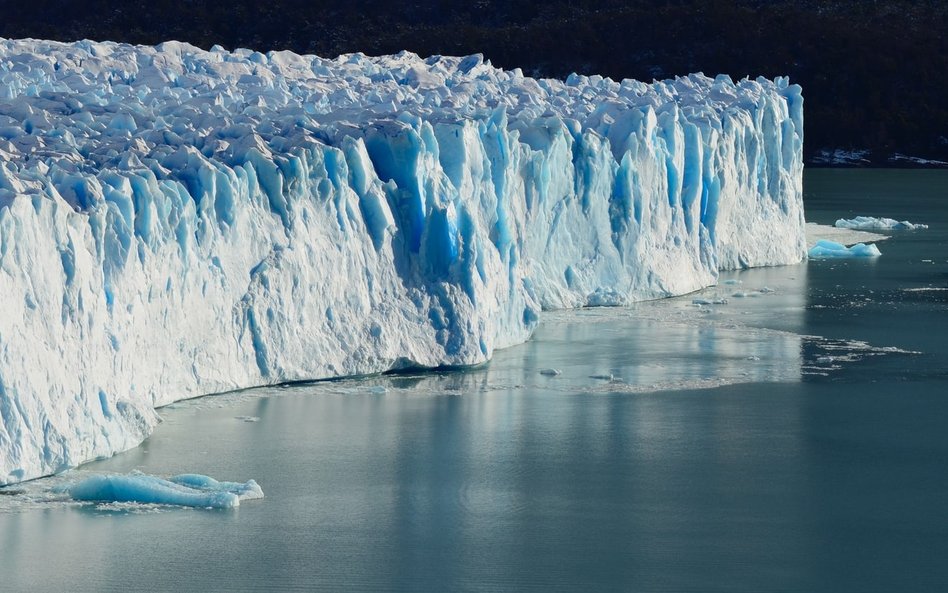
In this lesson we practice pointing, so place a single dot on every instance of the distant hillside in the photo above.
(873, 72)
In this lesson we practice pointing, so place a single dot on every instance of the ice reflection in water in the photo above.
(657, 345)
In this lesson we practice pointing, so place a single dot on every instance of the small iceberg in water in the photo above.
(191, 490)
(827, 249)
(869, 223)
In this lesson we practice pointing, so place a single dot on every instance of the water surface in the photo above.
(793, 439)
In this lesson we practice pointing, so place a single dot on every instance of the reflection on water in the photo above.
(657, 345)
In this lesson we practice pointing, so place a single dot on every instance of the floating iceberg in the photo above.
(829, 249)
(816, 232)
(869, 223)
(177, 222)
(191, 490)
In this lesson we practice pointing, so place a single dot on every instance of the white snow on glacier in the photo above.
(176, 222)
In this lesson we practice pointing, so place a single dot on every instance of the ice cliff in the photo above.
(175, 222)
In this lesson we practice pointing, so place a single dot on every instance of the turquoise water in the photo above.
(794, 439)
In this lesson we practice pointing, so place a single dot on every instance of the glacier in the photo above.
(177, 222)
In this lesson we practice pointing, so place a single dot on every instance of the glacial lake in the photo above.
(792, 439)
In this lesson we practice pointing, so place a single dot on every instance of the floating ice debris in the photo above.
(192, 490)
(836, 352)
(607, 377)
(550, 372)
(705, 302)
(766, 290)
(248, 418)
(732, 281)
(830, 249)
(869, 223)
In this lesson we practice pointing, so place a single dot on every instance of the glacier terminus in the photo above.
(177, 222)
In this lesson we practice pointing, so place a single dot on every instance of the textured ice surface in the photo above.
(175, 222)
(192, 490)
(869, 223)
(826, 249)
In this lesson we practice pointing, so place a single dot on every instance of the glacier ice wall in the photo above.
(175, 222)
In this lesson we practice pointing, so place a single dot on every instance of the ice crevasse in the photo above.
(175, 222)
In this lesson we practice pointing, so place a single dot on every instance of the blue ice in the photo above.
(191, 490)
(827, 249)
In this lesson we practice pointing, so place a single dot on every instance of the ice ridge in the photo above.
(176, 222)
